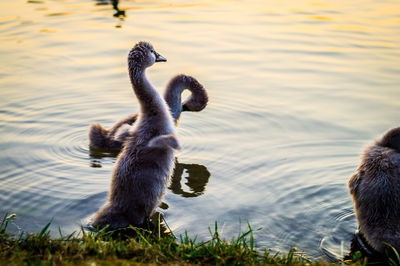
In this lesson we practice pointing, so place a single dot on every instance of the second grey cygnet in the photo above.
(375, 187)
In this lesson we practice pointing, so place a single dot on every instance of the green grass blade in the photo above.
(166, 224)
(137, 230)
(3, 225)
(44, 231)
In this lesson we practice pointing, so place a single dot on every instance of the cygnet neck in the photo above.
(174, 91)
(149, 99)
(173, 99)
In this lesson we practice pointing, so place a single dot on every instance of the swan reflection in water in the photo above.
(196, 175)
(118, 12)
(197, 179)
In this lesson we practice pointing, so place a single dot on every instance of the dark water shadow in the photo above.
(197, 179)
(118, 12)
(97, 154)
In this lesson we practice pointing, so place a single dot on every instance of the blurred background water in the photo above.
(297, 89)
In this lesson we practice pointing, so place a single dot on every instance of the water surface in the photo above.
(297, 89)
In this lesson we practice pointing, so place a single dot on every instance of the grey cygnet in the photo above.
(143, 167)
(375, 188)
(113, 138)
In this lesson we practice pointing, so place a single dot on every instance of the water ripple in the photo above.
(72, 148)
(336, 245)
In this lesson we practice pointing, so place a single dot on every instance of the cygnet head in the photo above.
(199, 98)
(142, 55)
(391, 139)
(195, 104)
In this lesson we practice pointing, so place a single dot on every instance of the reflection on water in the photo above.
(97, 154)
(118, 12)
(197, 179)
(297, 89)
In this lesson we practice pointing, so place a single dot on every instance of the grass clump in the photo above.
(141, 247)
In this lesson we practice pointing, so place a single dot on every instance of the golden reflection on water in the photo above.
(342, 16)
(320, 18)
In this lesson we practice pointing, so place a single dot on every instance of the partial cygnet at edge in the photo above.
(375, 188)
(143, 167)
(113, 138)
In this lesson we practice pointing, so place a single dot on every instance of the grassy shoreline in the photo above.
(141, 247)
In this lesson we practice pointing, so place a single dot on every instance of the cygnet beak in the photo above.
(159, 58)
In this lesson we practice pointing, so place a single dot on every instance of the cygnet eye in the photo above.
(153, 54)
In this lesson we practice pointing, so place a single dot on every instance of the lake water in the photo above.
(296, 88)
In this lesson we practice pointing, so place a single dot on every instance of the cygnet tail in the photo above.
(391, 139)
(99, 138)
(164, 141)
